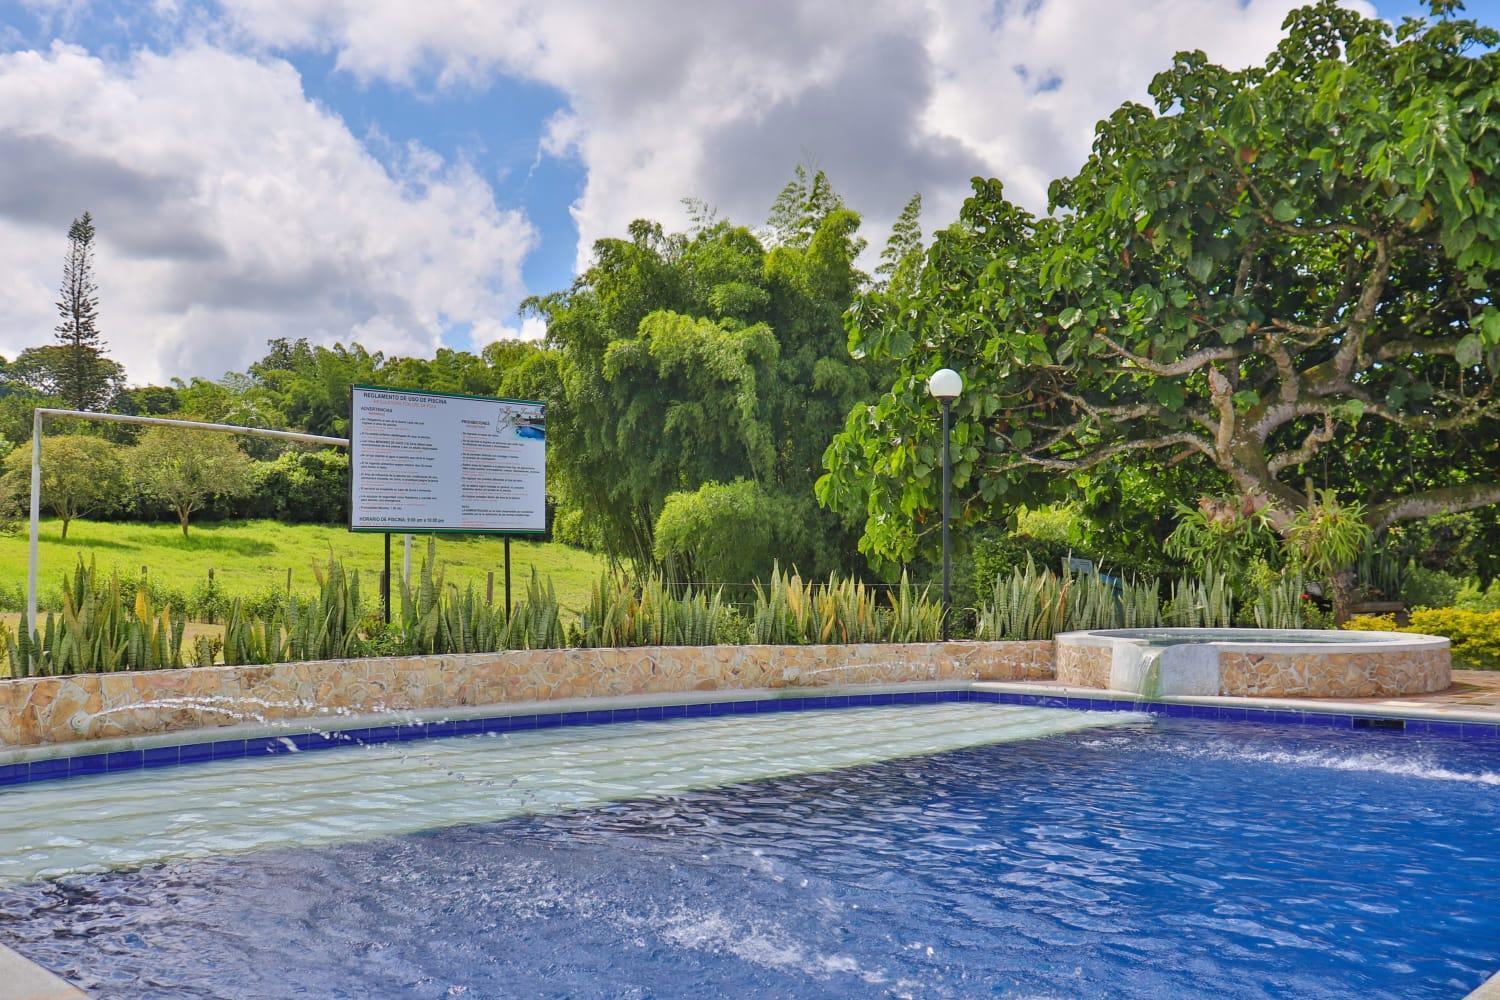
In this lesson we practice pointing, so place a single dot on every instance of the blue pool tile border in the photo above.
(57, 768)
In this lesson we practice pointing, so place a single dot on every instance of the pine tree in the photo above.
(82, 381)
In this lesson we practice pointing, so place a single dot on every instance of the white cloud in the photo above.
(231, 209)
(719, 100)
(1026, 82)
(712, 100)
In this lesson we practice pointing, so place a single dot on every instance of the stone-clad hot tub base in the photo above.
(58, 710)
(1255, 663)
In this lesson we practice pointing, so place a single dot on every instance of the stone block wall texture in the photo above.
(50, 710)
(1303, 674)
(1334, 675)
(1084, 666)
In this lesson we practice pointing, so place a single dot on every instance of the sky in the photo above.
(405, 174)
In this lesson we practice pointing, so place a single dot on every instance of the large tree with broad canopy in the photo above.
(1272, 268)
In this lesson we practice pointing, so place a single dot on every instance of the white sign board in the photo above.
(427, 461)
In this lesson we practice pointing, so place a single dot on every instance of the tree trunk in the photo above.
(1344, 587)
(65, 522)
(182, 516)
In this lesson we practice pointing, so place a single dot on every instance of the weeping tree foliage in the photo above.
(1270, 273)
(721, 532)
(707, 358)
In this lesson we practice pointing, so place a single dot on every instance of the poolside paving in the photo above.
(1471, 691)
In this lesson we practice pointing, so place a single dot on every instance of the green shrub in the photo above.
(301, 486)
(790, 611)
(97, 631)
(326, 627)
(1051, 523)
(1371, 623)
(720, 532)
(158, 594)
(997, 555)
(734, 628)
(269, 603)
(1036, 603)
(571, 527)
(1430, 588)
(12, 596)
(1314, 616)
(624, 612)
(208, 602)
(1475, 635)
(1472, 596)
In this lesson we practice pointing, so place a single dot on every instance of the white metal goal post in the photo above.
(41, 413)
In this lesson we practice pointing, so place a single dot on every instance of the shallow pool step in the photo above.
(219, 807)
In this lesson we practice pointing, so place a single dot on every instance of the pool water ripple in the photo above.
(1170, 859)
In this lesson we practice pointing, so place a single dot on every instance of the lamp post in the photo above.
(945, 386)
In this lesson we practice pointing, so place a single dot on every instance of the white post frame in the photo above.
(123, 418)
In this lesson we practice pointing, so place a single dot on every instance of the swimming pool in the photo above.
(902, 853)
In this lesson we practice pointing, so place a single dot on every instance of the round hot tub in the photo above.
(1253, 662)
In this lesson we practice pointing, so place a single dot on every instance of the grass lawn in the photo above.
(250, 557)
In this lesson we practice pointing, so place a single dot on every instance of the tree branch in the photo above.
(1182, 366)
(1220, 392)
(1104, 454)
(1316, 438)
(1363, 313)
(1444, 500)
(1291, 379)
(1313, 333)
(1097, 413)
(1392, 349)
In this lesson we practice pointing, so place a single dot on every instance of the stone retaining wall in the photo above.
(50, 710)
(1335, 675)
(1084, 666)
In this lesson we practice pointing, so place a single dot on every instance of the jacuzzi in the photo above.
(1252, 662)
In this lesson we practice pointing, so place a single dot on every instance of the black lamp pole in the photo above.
(947, 488)
(945, 385)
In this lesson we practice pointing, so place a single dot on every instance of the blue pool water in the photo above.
(1169, 859)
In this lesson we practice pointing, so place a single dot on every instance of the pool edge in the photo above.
(29, 765)
(1488, 990)
(23, 979)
